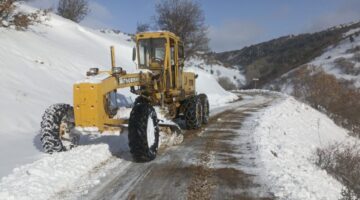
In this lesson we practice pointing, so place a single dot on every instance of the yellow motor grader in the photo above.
(161, 81)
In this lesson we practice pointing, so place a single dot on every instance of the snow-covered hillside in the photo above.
(341, 60)
(218, 70)
(38, 68)
(287, 135)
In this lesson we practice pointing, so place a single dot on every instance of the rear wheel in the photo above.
(57, 129)
(193, 113)
(143, 132)
(205, 108)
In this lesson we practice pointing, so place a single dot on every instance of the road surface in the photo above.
(217, 162)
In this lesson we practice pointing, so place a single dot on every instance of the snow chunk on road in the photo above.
(287, 135)
(52, 174)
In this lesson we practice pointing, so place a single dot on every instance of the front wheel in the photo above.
(143, 132)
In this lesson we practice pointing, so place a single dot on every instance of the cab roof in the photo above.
(157, 34)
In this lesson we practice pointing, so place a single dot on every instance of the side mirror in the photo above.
(134, 54)
(196, 76)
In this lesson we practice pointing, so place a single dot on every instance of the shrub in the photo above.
(346, 66)
(7, 7)
(343, 162)
(327, 94)
(20, 20)
(351, 38)
(356, 57)
(75, 10)
(353, 50)
(226, 83)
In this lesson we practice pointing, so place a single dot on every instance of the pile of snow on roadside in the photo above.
(207, 84)
(52, 174)
(287, 136)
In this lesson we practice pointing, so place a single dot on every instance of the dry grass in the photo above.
(343, 162)
(19, 20)
(336, 98)
(347, 66)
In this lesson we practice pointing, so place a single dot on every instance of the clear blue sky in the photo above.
(233, 24)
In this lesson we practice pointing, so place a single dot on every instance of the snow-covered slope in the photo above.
(341, 60)
(287, 136)
(348, 50)
(38, 68)
(218, 70)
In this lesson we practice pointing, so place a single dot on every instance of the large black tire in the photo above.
(141, 100)
(193, 113)
(205, 108)
(52, 119)
(143, 132)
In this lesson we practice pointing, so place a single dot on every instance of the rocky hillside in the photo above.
(269, 60)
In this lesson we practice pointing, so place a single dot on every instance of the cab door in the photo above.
(174, 64)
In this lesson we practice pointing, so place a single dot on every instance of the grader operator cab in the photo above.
(161, 81)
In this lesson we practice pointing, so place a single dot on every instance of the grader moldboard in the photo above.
(160, 82)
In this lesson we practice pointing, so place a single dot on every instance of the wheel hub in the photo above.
(68, 139)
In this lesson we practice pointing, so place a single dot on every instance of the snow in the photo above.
(287, 136)
(39, 67)
(150, 132)
(207, 84)
(95, 79)
(47, 176)
(351, 32)
(327, 60)
(53, 174)
(218, 70)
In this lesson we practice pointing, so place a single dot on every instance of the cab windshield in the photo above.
(151, 52)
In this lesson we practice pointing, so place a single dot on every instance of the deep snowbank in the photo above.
(52, 174)
(288, 135)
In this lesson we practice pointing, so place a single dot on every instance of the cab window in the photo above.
(151, 51)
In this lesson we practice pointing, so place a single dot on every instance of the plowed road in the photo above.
(217, 162)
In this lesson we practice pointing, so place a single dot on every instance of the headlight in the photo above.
(117, 70)
(92, 72)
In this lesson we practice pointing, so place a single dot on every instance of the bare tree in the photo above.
(142, 27)
(75, 10)
(186, 19)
